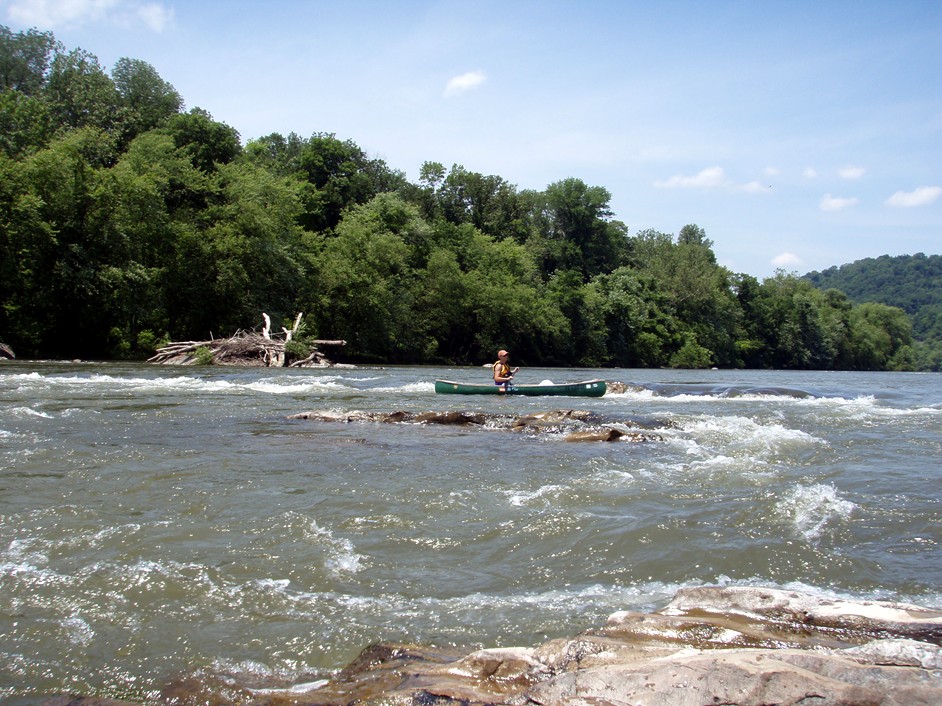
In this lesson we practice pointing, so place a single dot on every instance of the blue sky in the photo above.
(798, 135)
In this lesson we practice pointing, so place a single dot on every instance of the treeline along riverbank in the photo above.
(128, 222)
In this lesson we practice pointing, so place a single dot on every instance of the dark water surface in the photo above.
(160, 523)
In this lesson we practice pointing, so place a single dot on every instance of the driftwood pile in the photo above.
(244, 348)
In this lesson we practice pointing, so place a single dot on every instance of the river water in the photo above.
(159, 523)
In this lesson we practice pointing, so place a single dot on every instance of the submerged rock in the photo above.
(575, 425)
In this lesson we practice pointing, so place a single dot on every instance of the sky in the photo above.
(799, 135)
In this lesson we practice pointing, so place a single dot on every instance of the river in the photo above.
(162, 523)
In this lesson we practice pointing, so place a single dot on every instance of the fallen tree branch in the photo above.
(244, 349)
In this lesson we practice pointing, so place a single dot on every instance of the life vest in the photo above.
(501, 370)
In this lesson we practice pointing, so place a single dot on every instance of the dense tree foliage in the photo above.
(912, 283)
(125, 221)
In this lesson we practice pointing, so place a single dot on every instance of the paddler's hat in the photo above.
(501, 354)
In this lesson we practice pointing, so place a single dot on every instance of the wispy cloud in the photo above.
(786, 259)
(59, 14)
(713, 178)
(155, 15)
(709, 178)
(810, 173)
(836, 203)
(465, 82)
(918, 197)
(851, 172)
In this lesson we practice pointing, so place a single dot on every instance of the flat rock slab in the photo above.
(709, 646)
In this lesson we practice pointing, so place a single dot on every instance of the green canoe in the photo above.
(586, 388)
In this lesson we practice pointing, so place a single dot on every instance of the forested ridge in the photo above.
(127, 221)
(911, 282)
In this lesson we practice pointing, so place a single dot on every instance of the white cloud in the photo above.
(155, 16)
(810, 173)
(851, 172)
(836, 203)
(755, 187)
(771, 171)
(58, 14)
(465, 82)
(786, 259)
(919, 197)
(709, 178)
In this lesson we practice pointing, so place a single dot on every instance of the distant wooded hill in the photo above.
(911, 282)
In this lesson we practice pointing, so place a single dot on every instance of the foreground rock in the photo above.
(574, 425)
(731, 646)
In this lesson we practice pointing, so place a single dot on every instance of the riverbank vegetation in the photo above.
(127, 221)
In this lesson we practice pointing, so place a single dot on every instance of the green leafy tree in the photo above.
(207, 142)
(64, 187)
(147, 100)
(578, 231)
(276, 153)
(339, 175)
(694, 293)
(80, 94)
(152, 185)
(24, 60)
(879, 332)
(28, 249)
(365, 288)
(243, 259)
(641, 330)
(25, 124)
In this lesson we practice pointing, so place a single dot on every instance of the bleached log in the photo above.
(266, 331)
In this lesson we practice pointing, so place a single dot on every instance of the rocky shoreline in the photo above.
(708, 646)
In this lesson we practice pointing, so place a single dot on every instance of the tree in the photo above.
(339, 175)
(25, 124)
(25, 59)
(242, 257)
(80, 94)
(61, 186)
(364, 288)
(878, 333)
(206, 141)
(576, 230)
(147, 100)
(276, 153)
(489, 203)
(696, 293)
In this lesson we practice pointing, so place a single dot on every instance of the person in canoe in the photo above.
(503, 375)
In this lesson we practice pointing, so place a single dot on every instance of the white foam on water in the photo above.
(519, 498)
(79, 632)
(409, 387)
(735, 443)
(279, 388)
(195, 383)
(341, 552)
(21, 412)
(810, 508)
